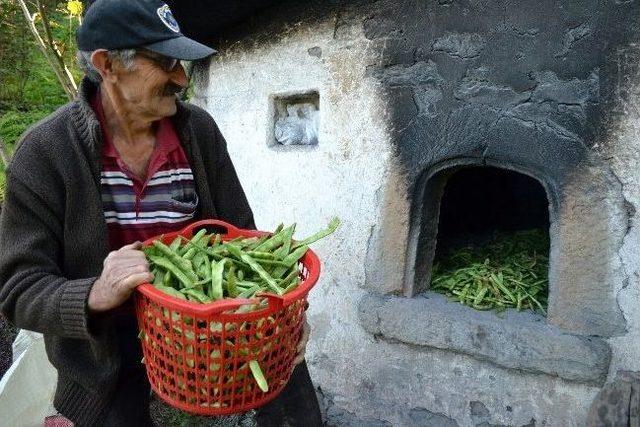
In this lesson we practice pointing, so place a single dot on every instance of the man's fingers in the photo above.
(136, 279)
(118, 273)
(130, 254)
(134, 245)
(125, 260)
(129, 265)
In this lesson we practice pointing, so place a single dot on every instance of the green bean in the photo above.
(333, 226)
(177, 260)
(170, 291)
(271, 262)
(289, 278)
(175, 244)
(249, 292)
(174, 270)
(207, 268)
(480, 296)
(504, 289)
(246, 284)
(465, 291)
(294, 256)
(199, 296)
(158, 277)
(257, 268)
(512, 268)
(232, 290)
(289, 261)
(274, 241)
(217, 270)
(194, 242)
(149, 250)
(166, 280)
(292, 285)
(261, 255)
(197, 262)
(284, 250)
(258, 242)
(258, 375)
(199, 249)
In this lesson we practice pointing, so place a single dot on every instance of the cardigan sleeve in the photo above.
(33, 293)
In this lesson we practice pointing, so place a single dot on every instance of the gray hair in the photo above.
(124, 56)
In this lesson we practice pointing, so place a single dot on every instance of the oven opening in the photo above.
(492, 241)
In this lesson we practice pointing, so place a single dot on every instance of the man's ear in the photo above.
(103, 64)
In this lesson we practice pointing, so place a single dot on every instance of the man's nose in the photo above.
(179, 76)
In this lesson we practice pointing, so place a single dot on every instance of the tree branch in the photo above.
(53, 48)
(69, 90)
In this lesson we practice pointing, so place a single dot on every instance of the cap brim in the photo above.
(181, 48)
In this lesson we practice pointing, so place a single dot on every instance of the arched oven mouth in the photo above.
(484, 238)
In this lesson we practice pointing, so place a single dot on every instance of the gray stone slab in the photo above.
(515, 340)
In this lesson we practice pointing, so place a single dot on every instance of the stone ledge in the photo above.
(515, 340)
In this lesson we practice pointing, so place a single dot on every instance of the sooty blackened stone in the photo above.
(460, 45)
(618, 403)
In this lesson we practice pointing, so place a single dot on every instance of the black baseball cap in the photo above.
(130, 24)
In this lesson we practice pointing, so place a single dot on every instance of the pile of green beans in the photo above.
(508, 272)
(206, 269)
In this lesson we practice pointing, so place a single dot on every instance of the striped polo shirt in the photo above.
(138, 208)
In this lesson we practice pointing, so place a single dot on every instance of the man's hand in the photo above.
(122, 271)
(302, 344)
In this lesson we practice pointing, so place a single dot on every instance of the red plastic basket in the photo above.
(197, 355)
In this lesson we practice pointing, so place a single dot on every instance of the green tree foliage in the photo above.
(29, 87)
(27, 78)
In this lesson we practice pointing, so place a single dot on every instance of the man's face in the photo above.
(149, 89)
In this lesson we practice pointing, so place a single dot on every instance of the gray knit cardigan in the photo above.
(53, 240)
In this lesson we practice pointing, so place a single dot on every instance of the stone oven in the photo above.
(436, 121)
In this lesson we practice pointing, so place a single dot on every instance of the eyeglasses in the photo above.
(167, 63)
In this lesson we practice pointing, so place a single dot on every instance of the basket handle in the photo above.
(231, 229)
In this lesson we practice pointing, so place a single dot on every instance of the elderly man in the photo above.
(123, 162)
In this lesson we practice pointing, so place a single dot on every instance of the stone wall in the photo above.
(551, 87)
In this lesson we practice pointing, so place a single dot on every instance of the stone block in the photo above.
(514, 340)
